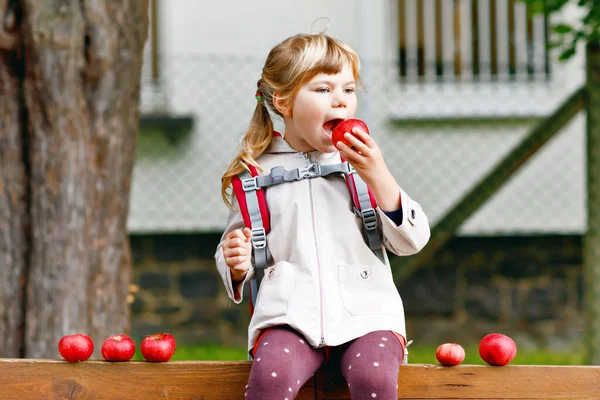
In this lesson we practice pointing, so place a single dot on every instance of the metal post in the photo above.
(591, 251)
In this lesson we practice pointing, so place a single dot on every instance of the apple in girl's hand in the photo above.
(77, 347)
(337, 135)
(497, 349)
(450, 354)
(118, 348)
(158, 347)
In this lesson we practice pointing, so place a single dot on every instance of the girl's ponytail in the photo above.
(255, 142)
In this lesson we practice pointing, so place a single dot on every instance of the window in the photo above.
(471, 40)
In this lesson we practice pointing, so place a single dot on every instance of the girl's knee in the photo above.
(270, 383)
(266, 377)
(376, 380)
(379, 386)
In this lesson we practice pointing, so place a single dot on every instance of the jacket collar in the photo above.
(278, 145)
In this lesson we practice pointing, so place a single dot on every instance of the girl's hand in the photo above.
(364, 155)
(366, 158)
(237, 251)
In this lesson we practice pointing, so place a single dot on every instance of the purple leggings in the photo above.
(284, 361)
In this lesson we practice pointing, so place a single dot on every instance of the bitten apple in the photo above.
(158, 347)
(118, 348)
(77, 347)
(337, 135)
(497, 349)
(450, 354)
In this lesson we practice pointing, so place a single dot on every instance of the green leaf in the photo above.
(568, 53)
(562, 29)
(554, 45)
(586, 28)
(551, 6)
(580, 35)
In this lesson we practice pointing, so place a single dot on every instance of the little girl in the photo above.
(324, 290)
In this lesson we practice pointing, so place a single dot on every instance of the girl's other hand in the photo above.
(237, 250)
(366, 158)
(363, 154)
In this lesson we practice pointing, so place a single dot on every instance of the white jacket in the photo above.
(325, 282)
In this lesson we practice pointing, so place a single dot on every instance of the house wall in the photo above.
(439, 139)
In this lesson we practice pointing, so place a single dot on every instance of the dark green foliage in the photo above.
(567, 36)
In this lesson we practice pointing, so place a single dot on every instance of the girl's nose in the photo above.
(339, 100)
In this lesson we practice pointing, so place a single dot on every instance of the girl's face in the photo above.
(317, 107)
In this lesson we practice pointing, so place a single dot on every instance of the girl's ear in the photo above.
(282, 105)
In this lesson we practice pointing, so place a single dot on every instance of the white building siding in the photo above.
(213, 53)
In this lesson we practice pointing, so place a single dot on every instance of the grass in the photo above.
(418, 355)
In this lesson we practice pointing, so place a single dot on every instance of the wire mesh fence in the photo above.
(439, 138)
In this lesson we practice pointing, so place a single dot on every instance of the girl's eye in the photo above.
(349, 90)
(322, 90)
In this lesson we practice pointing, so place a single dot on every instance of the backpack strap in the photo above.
(281, 175)
(253, 207)
(364, 207)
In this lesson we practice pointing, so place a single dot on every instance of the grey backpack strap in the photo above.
(367, 213)
(258, 236)
(280, 175)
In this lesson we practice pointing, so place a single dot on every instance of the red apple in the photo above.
(77, 347)
(450, 354)
(158, 347)
(118, 348)
(337, 135)
(497, 349)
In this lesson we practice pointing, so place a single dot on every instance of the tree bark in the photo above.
(13, 201)
(81, 86)
(591, 253)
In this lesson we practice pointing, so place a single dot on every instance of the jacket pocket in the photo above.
(274, 291)
(368, 289)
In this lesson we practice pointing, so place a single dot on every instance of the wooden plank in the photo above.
(457, 39)
(26, 379)
(493, 38)
(512, 45)
(402, 36)
(421, 39)
(426, 381)
(475, 37)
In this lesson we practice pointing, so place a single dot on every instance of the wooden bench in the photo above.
(25, 379)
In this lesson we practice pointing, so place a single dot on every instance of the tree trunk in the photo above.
(591, 254)
(13, 206)
(81, 93)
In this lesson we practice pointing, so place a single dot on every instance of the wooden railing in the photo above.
(25, 379)
(471, 40)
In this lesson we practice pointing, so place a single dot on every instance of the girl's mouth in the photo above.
(330, 125)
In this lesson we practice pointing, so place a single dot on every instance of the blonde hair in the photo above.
(289, 65)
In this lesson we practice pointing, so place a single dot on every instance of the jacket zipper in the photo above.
(314, 223)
